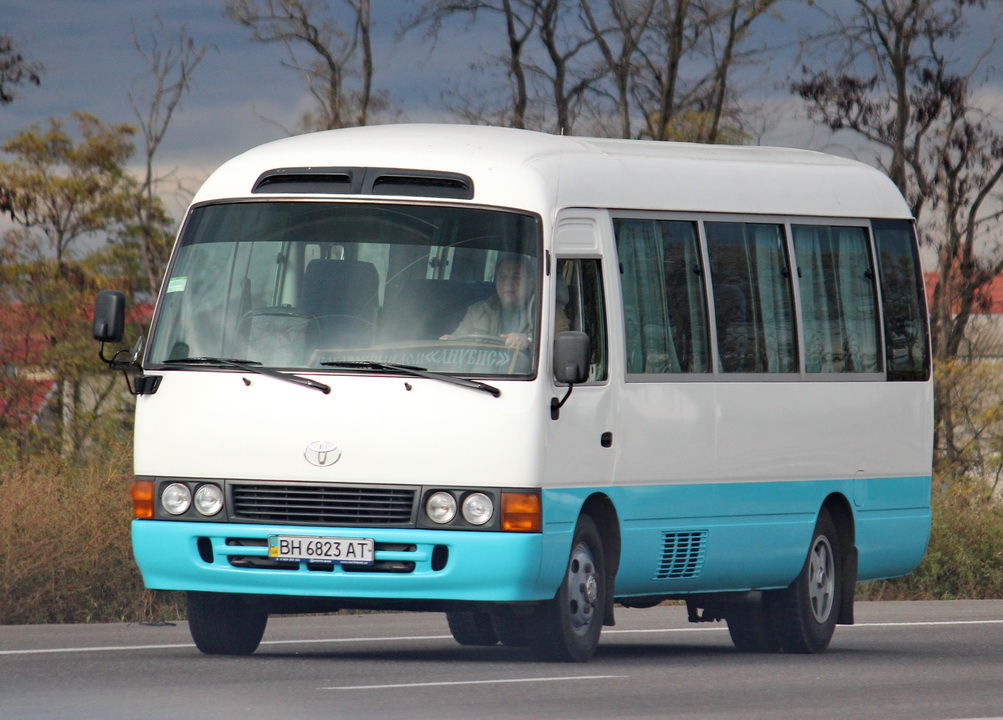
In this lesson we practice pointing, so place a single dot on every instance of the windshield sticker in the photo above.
(177, 284)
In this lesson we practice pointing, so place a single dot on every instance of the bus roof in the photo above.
(543, 173)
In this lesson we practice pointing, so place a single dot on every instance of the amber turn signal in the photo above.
(520, 512)
(142, 499)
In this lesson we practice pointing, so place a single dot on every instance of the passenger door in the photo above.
(582, 454)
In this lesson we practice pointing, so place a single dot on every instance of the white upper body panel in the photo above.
(541, 173)
(226, 424)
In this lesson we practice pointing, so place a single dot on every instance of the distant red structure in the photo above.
(26, 388)
(984, 334)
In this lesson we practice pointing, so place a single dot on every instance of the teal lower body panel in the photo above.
(680, 538)
(676, 538)
(232, 558)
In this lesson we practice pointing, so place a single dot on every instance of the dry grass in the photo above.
(66, 556)
(65, 553)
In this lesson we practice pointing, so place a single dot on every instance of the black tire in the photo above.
(472, 627)
(512, 630)
(750, 629)
(566, 629)
(224, 624)
(803, 615)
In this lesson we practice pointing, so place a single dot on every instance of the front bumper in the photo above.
(411, 564)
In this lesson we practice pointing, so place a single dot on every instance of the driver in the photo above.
(509, 314)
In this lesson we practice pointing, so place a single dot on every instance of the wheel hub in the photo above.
(583, 589)
(821, 583)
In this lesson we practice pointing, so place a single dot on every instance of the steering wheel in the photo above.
(480, 338)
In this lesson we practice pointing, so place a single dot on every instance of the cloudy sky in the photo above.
(242, 90)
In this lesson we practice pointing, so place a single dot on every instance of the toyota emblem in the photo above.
(322, 453)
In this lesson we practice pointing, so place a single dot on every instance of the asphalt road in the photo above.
(938, 660)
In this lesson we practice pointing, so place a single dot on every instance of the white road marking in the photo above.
(406, 638)
(498, 681)
(718, 627)
(43, 651)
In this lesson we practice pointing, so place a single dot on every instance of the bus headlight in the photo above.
(478, 508)
(176, 498)
(440, 507)
(208, 499)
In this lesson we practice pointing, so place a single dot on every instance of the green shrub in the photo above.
(964, 559)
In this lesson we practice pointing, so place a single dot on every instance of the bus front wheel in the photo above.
(566, 629)
(472, 627)
(224, 624)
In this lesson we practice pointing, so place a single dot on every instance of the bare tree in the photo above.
(172, 60)
(337, 54)
(710, 39)
(730, 23)
(568, 72)
(545, 57)
(520, 18)
(658, 85)
(15, 71)
(629, 23)
(899, 91)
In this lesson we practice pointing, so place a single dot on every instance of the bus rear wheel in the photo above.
(566, 629)
(803, 615)
(750, 629)
(223, 624)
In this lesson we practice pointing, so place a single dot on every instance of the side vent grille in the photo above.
(682, 555)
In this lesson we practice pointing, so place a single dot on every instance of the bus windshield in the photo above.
(345, 286)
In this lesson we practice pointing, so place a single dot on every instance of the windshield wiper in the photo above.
(251, 366)
(415, 371)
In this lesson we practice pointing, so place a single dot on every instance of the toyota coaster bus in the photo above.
(521, 379)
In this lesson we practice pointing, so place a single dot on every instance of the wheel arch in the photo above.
(841, 512)
(600, 508)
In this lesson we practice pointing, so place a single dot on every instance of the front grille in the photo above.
(316, 504)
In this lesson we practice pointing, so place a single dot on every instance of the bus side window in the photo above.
(907, 345)
(753, 302)
(839, 308)
(664, 305)
(580, 298)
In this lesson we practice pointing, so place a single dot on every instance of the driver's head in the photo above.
(514, 282)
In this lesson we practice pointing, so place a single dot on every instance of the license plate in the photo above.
(347, 551)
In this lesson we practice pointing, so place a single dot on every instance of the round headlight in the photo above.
(176, 498)
(441, 507)
(478, 508)
(208, 499)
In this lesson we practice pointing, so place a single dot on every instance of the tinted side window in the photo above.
(907, 346)
(750, 276)
(839, 310)
(665, 315)
(581, 307)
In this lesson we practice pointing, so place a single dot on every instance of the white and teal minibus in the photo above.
(522, 379)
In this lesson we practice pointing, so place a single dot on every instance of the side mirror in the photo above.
(571, 365)
(109, 316)
(571, 357)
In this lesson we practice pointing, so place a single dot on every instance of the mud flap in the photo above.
(848, 586)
